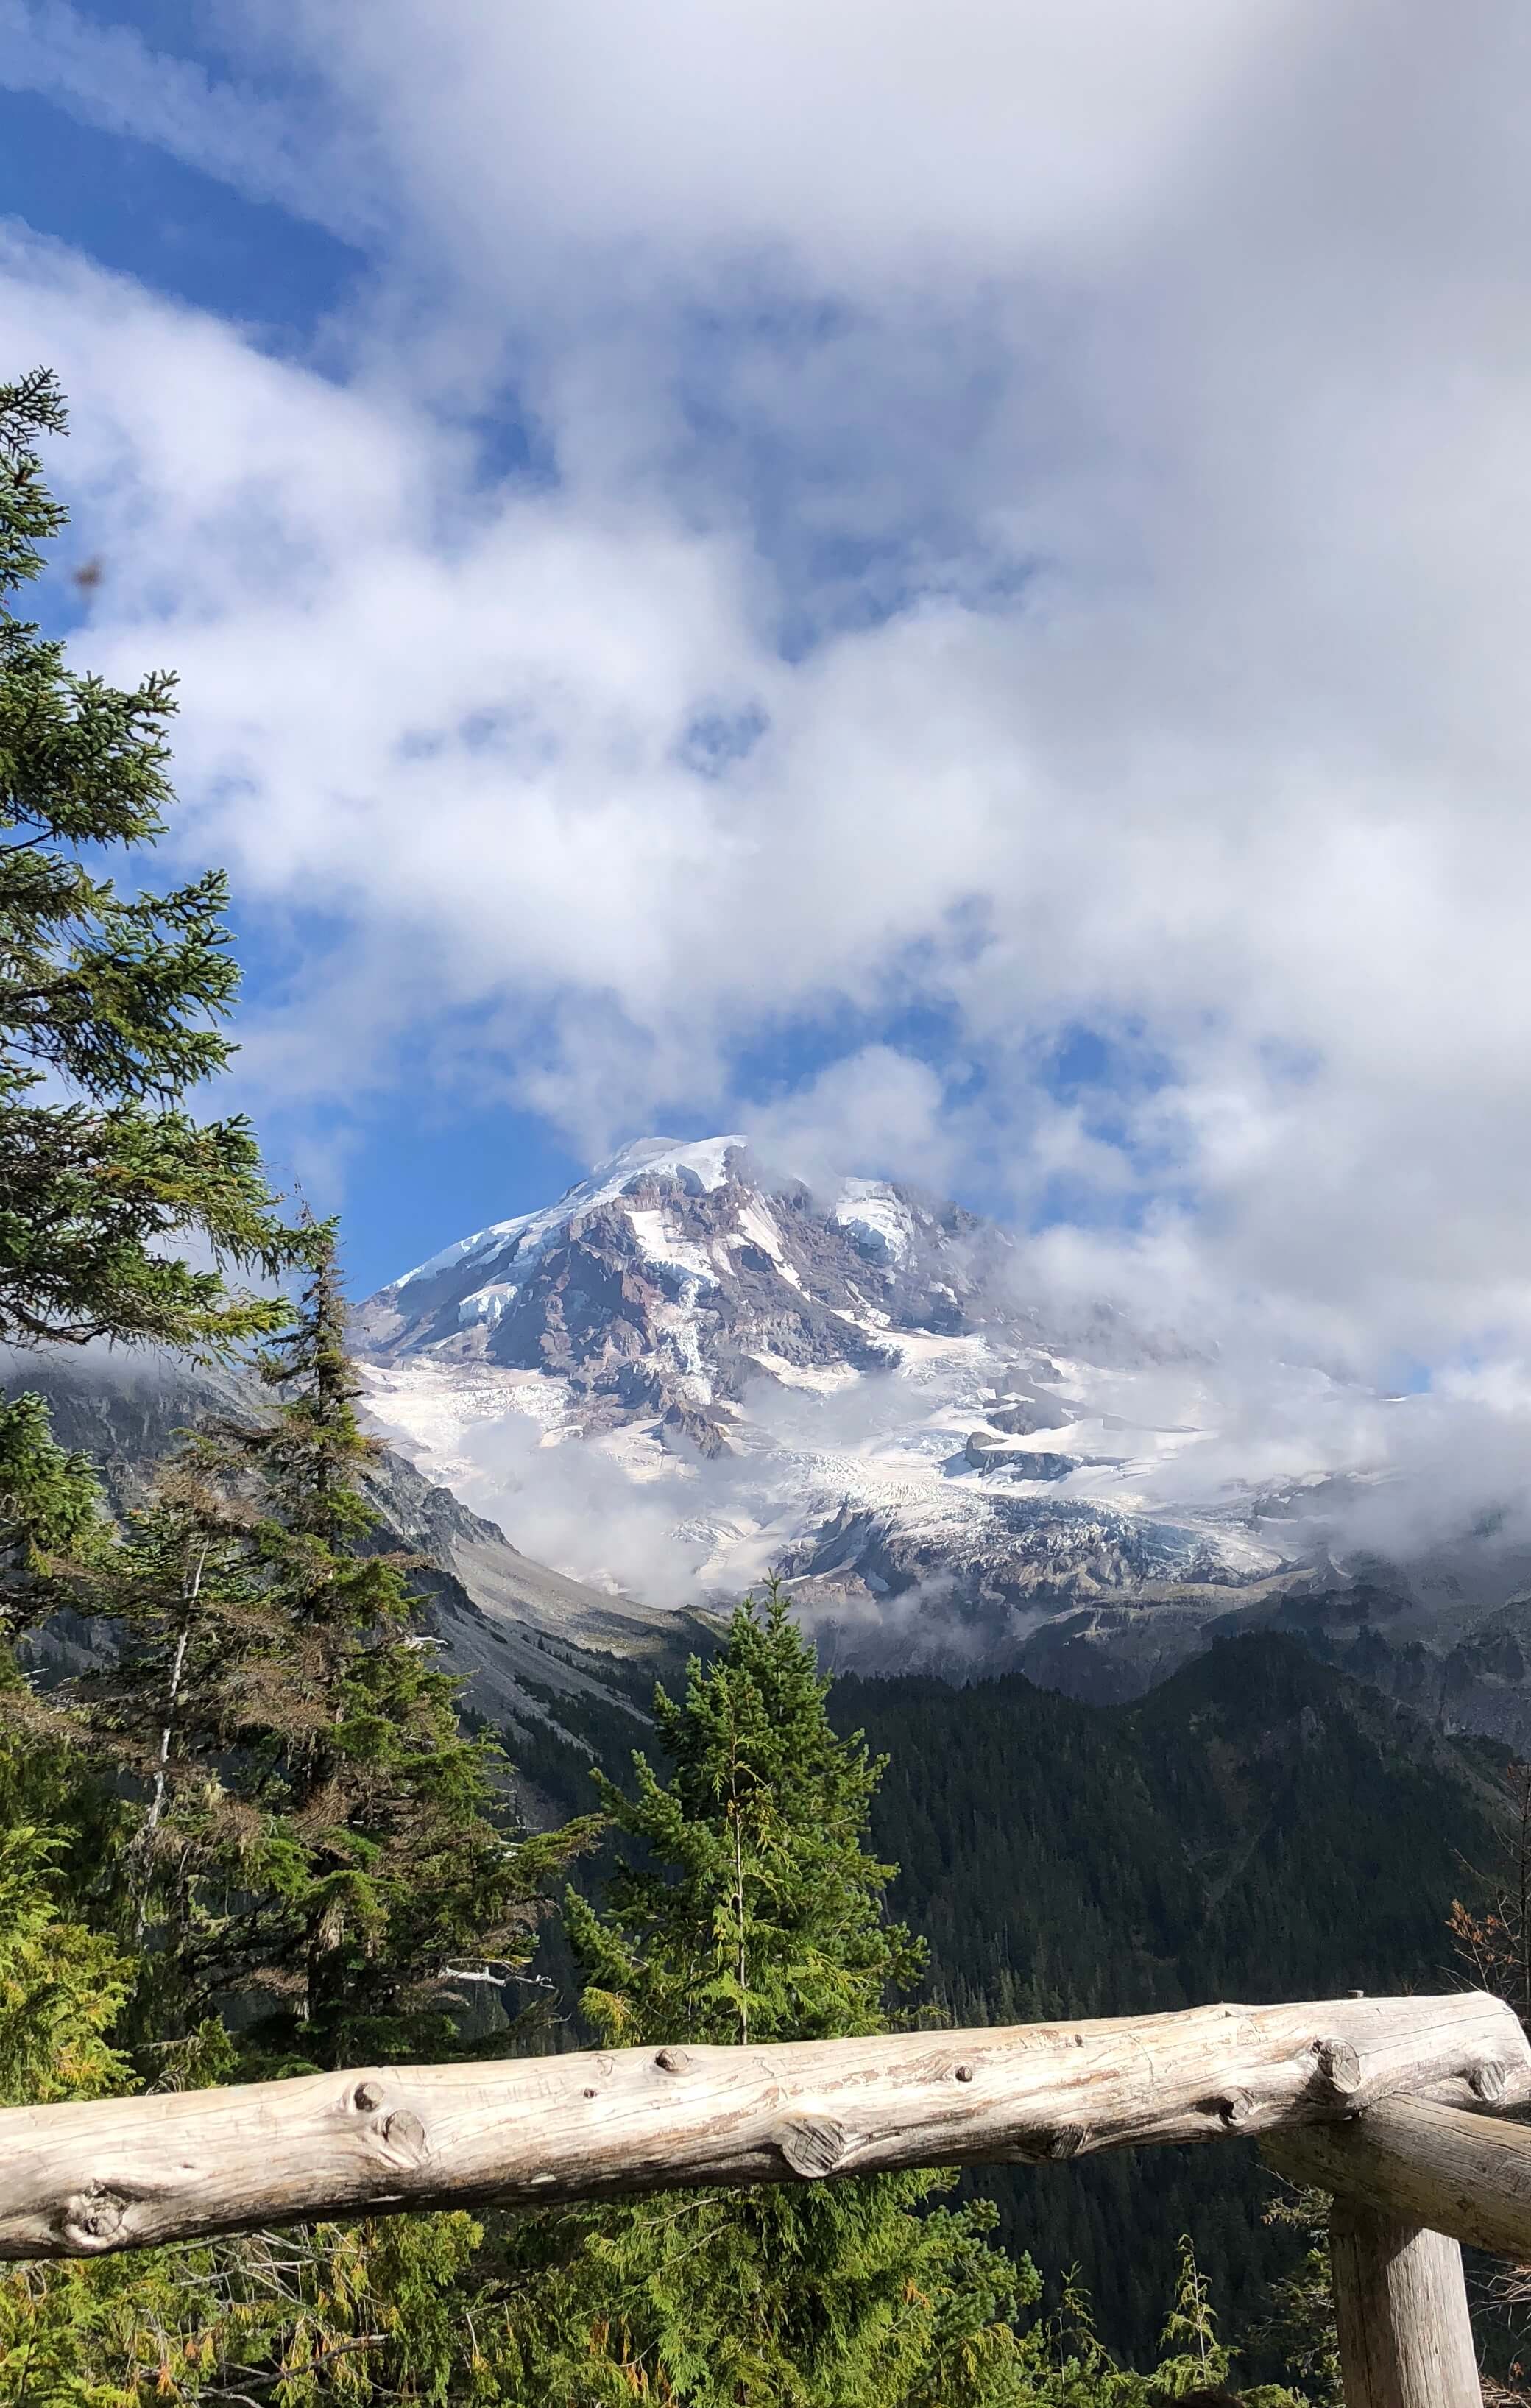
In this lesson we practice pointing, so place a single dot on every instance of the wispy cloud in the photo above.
(1082, 447)
(283, 152)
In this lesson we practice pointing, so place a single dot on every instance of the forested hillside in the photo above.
(1259, 1828)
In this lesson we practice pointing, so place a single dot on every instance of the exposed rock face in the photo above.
(673, 1278)
(1020, 1416)
(986, 1452)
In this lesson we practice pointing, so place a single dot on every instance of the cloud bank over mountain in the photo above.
(951, 583)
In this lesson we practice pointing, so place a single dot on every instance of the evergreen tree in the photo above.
(52, 1507)
(310, 1844)
(109, 1004)
(319, 1844)
(747, 1909)
(62, 1984)
(1302, 2324)
(1194, 2358)
(273, 1707)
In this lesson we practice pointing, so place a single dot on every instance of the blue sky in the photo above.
(945, 585)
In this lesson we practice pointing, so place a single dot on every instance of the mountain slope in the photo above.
(1258, 1827)
(514, 1628)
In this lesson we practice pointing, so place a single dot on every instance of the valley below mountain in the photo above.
(526, 1638)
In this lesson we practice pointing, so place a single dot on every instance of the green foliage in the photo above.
(109, 1004)
(854, 2294)
(319, 1842)
(1194, 2359)
(62, 1985)
(333, 2317)
(51, 1510)
(361, 2313)
(1302, 2323)
(747, 1907)
(62, 1980)
(844, 2295)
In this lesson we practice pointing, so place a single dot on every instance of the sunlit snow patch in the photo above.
(877, 1218)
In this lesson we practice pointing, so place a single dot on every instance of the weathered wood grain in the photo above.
(87, 2177)
(1401, 2306)
(1432, 2164)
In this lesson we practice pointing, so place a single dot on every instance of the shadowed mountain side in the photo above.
(509, 1624)
(1461, 1667)
(1258, 1827)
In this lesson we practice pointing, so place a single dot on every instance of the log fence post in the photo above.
(1401, 2306)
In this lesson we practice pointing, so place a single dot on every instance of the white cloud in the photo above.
(844, 133)
(108, 76)
(881, 1110)
(1121, 412)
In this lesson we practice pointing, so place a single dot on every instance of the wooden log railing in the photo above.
(1371, 2098)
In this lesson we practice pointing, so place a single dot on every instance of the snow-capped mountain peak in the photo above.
(685, 1373)
(675, 1275)
(698, 1168)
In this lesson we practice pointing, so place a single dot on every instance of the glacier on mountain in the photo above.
(685, 1375)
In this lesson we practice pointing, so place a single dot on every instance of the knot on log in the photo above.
(1066, 2142)
(1339, 2065)
(405, 2135)
(962, 2074)
(813, 2146)
(366, 2097)
(94, 2220)
(671, 2060)
(1237, 2108)
(1487, 2082)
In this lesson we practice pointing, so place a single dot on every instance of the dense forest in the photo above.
(1258, 1827)
(251, 1832)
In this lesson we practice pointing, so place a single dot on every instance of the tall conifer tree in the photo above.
(321, 1846)
(110, 1004)
(747, 1909)
(111, 1008)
